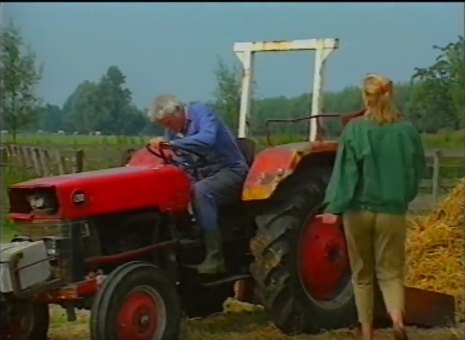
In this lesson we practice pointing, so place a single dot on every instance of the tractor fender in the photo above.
(272, 165)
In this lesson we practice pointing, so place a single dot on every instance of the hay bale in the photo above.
(435, 248)
(234, 306)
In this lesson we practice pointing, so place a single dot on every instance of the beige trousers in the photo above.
(376, 247)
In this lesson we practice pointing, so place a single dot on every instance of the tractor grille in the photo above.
(45, 229)
(61, 239)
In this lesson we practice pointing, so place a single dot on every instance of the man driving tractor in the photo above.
(198, 128)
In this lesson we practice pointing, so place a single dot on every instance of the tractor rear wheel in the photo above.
(136, 301)
(301, 265)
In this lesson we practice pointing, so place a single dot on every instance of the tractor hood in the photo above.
(99, 192)
(88, 177)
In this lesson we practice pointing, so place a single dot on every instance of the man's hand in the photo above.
(329, 218)
(155, 142)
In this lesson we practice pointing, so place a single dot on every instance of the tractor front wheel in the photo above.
(301, 265)
(136, 301)
(25, 320)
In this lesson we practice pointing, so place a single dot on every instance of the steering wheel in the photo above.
(159, 153)
(178, 150)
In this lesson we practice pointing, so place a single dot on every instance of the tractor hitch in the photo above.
(423, 308)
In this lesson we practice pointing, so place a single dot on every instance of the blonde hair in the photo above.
(377, 93)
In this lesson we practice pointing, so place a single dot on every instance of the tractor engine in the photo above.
(34, 212)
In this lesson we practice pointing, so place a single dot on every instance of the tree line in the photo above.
(433, 99)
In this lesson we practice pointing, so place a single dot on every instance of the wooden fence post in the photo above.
(13, 150)
(9, 150)
(44, 162)
(27, 162)
(3, 156)
(20, 155)
(435, 178)
(61, 166)
(78, 161)
(35, 160)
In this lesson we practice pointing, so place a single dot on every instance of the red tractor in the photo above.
(121, 243)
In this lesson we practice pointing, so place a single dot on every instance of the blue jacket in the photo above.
(206, 134)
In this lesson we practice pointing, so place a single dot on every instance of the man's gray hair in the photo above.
(163, 106)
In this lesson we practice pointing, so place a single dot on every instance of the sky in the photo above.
(173, 47)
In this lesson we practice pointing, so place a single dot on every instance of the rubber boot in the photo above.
(400, 333)
(214, 260)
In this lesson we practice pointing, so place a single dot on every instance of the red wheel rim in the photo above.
(324, 266)
(142, 315)
(22, 321)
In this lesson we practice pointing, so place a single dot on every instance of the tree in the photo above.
(20, 75)
(227, 93)
(51, 118)
(104, 106)
(83, 110)
(115, 101)
(438, 97)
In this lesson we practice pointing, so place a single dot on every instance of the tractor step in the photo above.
(187, 243)
(225, 280)
(212, 280)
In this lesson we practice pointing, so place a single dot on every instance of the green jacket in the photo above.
(378, 168)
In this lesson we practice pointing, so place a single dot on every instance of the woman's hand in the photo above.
(328, 218)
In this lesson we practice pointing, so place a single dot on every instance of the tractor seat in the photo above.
(247, 147)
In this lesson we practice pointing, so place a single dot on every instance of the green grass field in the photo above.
(74, 140)
(446, 140)
(104, 151)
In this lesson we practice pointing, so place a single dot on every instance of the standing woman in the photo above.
(378, 167)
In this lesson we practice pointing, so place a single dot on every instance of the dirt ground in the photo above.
(240, 327)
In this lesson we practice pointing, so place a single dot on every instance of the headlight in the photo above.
(42, 202)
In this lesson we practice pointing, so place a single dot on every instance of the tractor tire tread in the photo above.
(273, 269)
